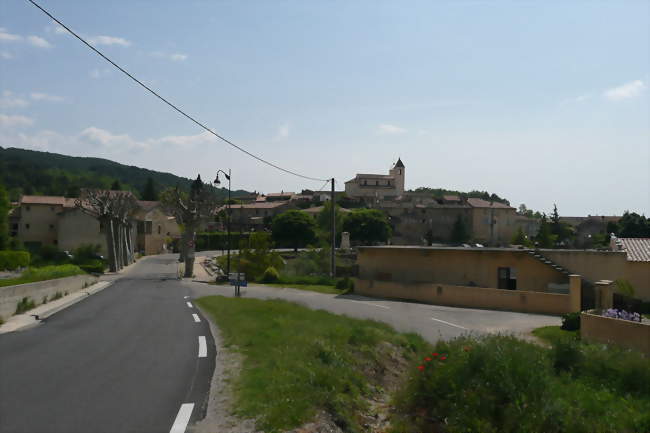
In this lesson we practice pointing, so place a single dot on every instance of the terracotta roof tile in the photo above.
(43, 199)
(637, 249)
(479, 202)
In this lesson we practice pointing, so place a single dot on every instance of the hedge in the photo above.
(10, 260)
(219, 240)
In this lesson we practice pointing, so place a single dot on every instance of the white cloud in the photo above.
(386, 128)
(625, 91)
(283, 132)
(175, 57)
(5, 36)
(39, 42)
(6, 55)
(9, 121)
(8, 100)
(109, 40)
(36, 96)
(576, 99)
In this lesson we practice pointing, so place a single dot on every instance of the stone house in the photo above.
(54, 220)
(374, 187)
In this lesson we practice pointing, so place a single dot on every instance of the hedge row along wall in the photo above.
(10, 260)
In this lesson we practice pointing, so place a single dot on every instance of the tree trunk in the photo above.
(125, 244)
(117, 239)
(110, 245)
(129, 242)
(189, 252)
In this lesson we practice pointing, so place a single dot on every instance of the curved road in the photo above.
(123, 360)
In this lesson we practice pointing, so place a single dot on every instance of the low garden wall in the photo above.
(474, 297)
(10, 296)
(626, 333)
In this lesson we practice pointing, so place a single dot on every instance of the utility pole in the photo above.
(333, 251)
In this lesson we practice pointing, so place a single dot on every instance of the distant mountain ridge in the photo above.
(34, 172)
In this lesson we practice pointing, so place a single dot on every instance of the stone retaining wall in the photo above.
(599, 329)
(10, 296)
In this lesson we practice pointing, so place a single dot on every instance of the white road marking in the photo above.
(189, 304)
(203, 347)
(196, 318)
(376, 305)
(183, 417)
(448, 323)
(185, 297)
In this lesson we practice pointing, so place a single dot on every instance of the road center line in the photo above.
(203, 348)
(196, 317)
(183, 417)
(189, 304)
(448, 323)
(376, 305)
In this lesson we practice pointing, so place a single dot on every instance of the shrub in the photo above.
(270, 275)
(93, 267)
(345, 284)
(32, 275)
(25, 304)
(11, 260)
(566, 354)
(570, 321)
(86, 254)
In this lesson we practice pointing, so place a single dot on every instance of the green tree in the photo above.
(520, 238)
(544, 238)
(367, 226)
(116, 186)
(294, 228)
(562, 231)
(459, 232)
(149, 193)
(633, 225)
(324, 222)
(256, 256)
(4, 218)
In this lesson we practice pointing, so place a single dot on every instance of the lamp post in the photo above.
(218, 182)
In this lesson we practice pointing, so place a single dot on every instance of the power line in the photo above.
(153, 92)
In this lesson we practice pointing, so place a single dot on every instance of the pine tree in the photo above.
(459, 233)
(116, 186)
(544, 238)
(149, 192)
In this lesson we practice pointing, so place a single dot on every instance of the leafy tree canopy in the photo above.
(294, 228)
(4, 218)
(631, 225)
(367, 226)
(149, 193)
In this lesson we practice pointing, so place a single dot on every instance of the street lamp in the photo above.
(218, 182)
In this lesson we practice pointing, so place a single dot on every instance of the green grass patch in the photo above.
(299, 361)
(33, 275)
(24, 305)
(553, 334)
(310, 287)
(503, 384)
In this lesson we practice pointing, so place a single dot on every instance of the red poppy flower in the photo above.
(434, 354)
(427, 359)
(421, 367)
(443, 357)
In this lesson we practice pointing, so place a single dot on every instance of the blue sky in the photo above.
(540, 102)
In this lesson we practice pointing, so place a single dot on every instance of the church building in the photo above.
(377, 186)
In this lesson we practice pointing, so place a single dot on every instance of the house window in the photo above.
(159, 229)
(507, 278)
(27, 226)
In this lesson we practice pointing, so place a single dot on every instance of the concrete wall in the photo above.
(474, 297)
(455, 266)
(605, 265)
(633, 335)
(10, 296)
(42, 220)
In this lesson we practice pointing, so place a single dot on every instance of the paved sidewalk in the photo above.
(34, 316)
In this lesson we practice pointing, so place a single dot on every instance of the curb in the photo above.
(34, 317)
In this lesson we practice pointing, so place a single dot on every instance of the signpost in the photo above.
(237, 279)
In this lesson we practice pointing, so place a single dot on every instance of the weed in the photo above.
(25, 304)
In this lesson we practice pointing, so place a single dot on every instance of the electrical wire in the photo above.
(153, 92)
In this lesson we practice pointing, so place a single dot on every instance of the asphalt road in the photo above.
(124, 360)
(432, 322)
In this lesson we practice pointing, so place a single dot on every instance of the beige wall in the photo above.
(473, 297)
(461, 267)
(162, 227)
(77, 228)
(43, 223)
(605, 265)
(633, 335)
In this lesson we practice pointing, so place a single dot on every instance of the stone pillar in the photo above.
(605, 294)
(345, 241)
(575, 293)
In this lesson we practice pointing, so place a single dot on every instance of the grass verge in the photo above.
(320, 288)
(299, 362)
(553, 334)
(33, 275)
(503, 384)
